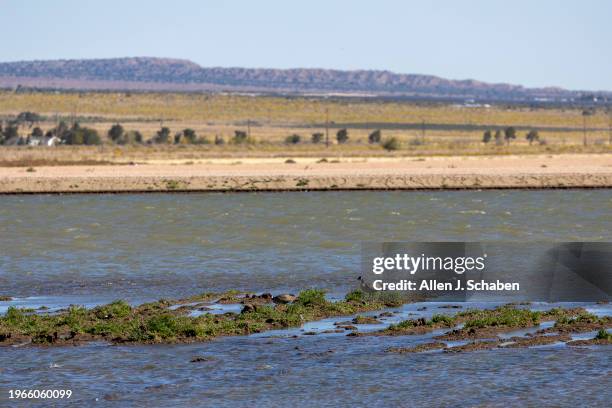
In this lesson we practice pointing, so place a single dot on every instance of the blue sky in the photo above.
(534, 43)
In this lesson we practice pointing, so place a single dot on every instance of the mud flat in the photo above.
(208, 316)
(198, 318)
(481, 329)
(282, 174)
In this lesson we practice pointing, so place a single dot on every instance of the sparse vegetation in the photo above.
(391, 144)
(509, 134)
(78, 135)
(132, 137)
(487, 136)
(374, 137)
(37, 132)
(240, 136)
(9, 132)
(156, 322)
(311, 297)
(442, 319)
(503, 316)
(342, 136)
(131, 123)
(162, 136)
(475, 320)
(186, 136)
(28, 118)
(532, 136)
(603, 334)
(316, 138)
(173, 185)
(169, 321)
(293, 139)
(354, 296)
(116, 133)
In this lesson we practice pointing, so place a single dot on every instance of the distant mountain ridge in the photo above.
(147, 73)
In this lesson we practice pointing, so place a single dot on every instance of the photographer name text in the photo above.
(434, 285)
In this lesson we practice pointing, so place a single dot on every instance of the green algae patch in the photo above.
(603, 335)
(581, 322)
(477, 323)
(500, 317)
(355, 296)
(414, 326)
(164, 322)
(482, 324)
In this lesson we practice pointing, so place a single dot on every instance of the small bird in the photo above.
(363, 285)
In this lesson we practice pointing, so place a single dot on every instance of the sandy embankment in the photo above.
(558, 171)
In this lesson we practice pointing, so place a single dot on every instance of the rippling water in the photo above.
(87, 249)
(152, 245)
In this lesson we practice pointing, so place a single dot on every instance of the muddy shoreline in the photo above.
(301, 174)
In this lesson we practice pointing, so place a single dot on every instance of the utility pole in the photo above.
(423, 131)
(584, 132)
(326, 127)
(75, 112)
(167, 105)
